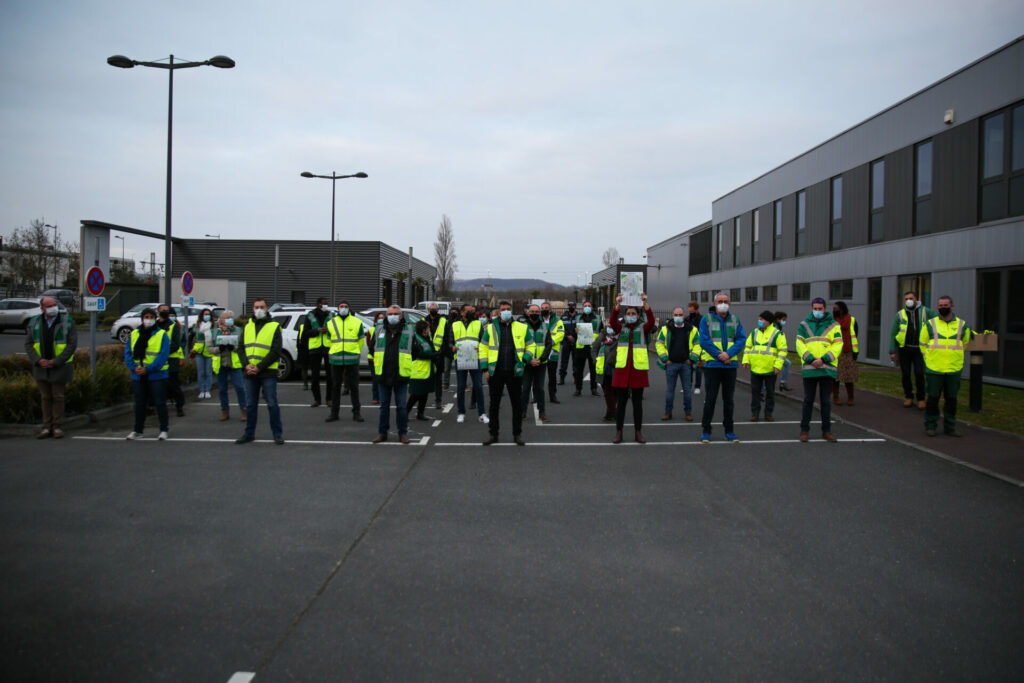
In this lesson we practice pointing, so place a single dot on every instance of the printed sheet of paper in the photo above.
(585, 333)
(631, 286)
(467, 356)
(227, 340)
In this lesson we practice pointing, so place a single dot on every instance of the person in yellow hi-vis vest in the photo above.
(346, 338)
(504, 352)
(764, 354)
(943, 341)
(674, 343)
(392, 365)
(261, 338)
(50, 343)
(631, 363)
(846, 369)
(146, 354)
(818, 343)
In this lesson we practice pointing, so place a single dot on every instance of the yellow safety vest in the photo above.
(765, 351)
(200, 346)
(317, 341)
(346, 340)
(179, 352)
(439, 333)
(60, 337)
(901, 336)
(258, 346)
(421, 366)
(853, 334)
(490, 344)
(827, 346)
(557, 329)
(942, 345)
(664, 340)
(236, 355)
(404, 349)
(152, 347)
(640, 361)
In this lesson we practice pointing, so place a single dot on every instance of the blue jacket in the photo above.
(151, 370)
(718, 325)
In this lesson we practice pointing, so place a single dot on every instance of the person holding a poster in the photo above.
(722, 338)
(631, 363)
(466, 348)
(588, 328)
(556, 328)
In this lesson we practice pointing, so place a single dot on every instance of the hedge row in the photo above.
(19, 396)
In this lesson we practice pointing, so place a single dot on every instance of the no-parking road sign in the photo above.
(187, 283)
(95, 281)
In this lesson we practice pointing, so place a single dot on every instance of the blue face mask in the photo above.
(678, 319)
(587, 310)
(393, 319)
(228, 322)
(782, 323)
(630, 319)
(818, 315)
(760, 324)
(611, 330)
(506, 315)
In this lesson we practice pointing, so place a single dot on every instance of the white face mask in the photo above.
(506, 315)
(259, 312)
(52, 311)
(148, 322)
(323, 307)
(909, 303)
(228, 322)
(342, 312)
(722, 308)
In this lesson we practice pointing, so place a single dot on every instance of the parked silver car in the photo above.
(15, 313)
(290, 319)
(130, 320)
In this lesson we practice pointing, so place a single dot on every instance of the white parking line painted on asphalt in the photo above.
(241, 677)
(721, 442)
(447, 408)
(307, 442)
(285, 405)
(665, 424)
(536, 416)
(436, 423)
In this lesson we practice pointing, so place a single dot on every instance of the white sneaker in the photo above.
(485, 419)
(162, 436)
(133, 436)
(461, 418)
(696, 391)
(206, 394)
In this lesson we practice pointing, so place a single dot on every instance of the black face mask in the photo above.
(534, 317)
(836, 313)
(943, 311)
(433, 314)
(546, 314)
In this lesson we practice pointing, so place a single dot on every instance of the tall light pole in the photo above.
(47, 225)
(122, 62)
(334, 178)
(120, 237)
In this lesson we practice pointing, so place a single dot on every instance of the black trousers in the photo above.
(174, 384)
(552, 370)
(715, 378)
(438, 371)
(563, 362)
(533, 380)
(316, 359)
(499, 381)
(823, 386)
(759, 383)
(419, 402)
(911, 360)
(347, 375)
(622, 394)
(583, 359)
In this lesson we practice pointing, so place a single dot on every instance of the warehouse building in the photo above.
(927, 196)
(368, 273)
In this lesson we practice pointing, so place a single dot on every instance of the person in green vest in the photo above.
(316, 335)
(943, 340)
(605, 349)
(819, 341)
(556, 328)
(168, 322)
(146, 354)
(765, 354)
(536, 370)
(504, 353)
(228, 362)
(905, 348)
(50, 343)
(631, 363)
(346, 338)
(421, 381)
(583, 359)
(261, 339)
(392, 364)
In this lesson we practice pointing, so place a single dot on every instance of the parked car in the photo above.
(130, 320)
(65, 296)
(411, 314)
(15, 313)
(443, 307)
(290, 319)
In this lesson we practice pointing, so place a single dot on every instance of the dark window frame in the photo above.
(801, 217)
(796, 295)
(1004, 182)
(923, 202)
(737, 227)
(777, 230)
(835, 229)
(770, 293)
(755, 239)
(876, 214)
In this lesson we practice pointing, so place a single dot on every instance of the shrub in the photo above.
(19, 399)
(80, 318)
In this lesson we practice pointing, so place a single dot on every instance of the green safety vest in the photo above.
(346, 340)
(235, 354)
(491, 343)
(640, 361)
(60, 336)
(404, 349)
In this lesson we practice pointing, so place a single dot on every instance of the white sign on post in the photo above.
(189, 301)
(95, 303)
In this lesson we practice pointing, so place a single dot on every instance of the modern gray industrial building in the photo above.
(366, 271)
(927, 195)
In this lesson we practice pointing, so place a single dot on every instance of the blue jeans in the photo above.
(252, 394)
(145, 389)
(400, 392)
(235, 375)
(682, 371)
(204, 372)
(784, 375)
(478, 390)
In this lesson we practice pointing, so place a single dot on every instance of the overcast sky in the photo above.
(547, 131)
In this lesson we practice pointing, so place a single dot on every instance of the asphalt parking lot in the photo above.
(571, 558)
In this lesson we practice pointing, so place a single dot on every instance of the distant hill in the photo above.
(503, 284)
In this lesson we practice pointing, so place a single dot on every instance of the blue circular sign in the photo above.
(95, 281)
(187, 283)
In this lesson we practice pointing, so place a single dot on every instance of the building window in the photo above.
(835, 234)
(718, 253)
(736, 241)
(801, 291)
(877, 218)
(923, 222)
(920, 284)
(801, 222)
(694, 295)
(756, 242)
(751, 294)
(840, 289)
(777, 242)
(771, 292)
(734, 295)
(704, 296)
(1002, 165)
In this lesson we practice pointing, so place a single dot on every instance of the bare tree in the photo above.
(31, 255)
(610, 256)
(444, 255)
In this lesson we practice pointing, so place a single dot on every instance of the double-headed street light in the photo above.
(122, 62)
(333, 178)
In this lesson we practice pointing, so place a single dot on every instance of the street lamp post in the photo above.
(47, 225)
(333, 178)
(120, 237)
(122, 62)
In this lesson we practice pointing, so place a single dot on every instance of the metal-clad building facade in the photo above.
(365, 269)
(908, 199)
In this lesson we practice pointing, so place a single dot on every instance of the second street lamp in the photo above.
(333, 178)
(122, 62)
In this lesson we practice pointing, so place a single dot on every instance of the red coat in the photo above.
(629, 377)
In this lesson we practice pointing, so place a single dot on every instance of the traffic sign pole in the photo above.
(95, 281)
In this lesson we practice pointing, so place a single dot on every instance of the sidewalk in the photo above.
(992, 452)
